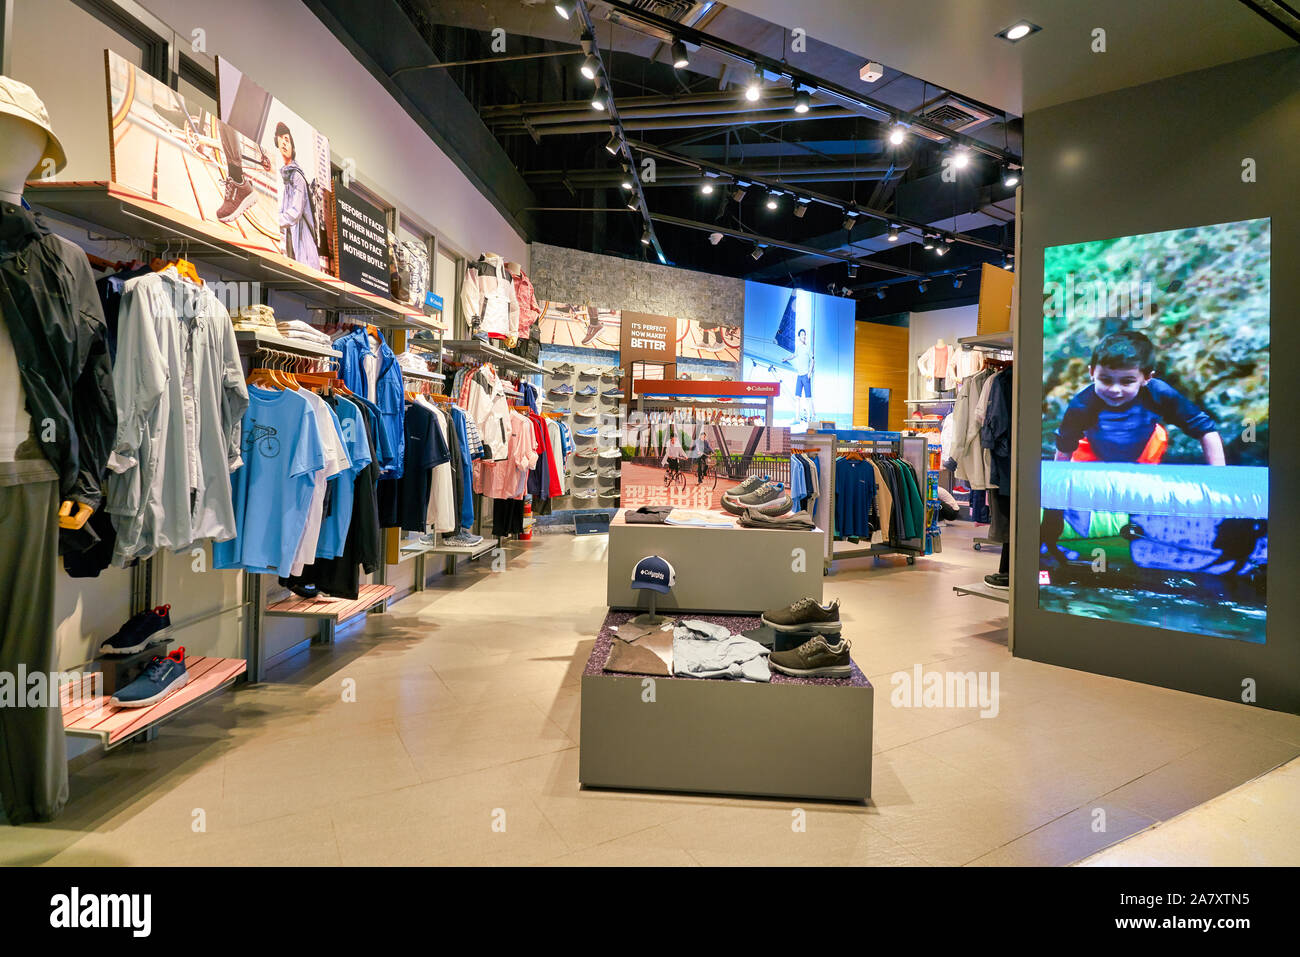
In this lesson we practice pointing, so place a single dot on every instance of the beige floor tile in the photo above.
(1069, 838)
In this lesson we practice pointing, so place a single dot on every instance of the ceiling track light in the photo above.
(850, 220)
(626, 182)
(614, 144)
(773, 198)
(956, 282)
(940, 250)
(960, 158)
(680, 60)
(590, 67)
(755, 88)
(598, 100)
(880, 293)
(897, 133)
(706, 188)
(853, 270)
(645, 236)
(929, 243)
(632, 202)
(757, 254)
(920, 286)
(1010, 177)
(801, 207)
(565, 9)
(802, 101)
(893, 234)
(738, 193)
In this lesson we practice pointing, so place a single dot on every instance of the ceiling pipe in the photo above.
(683, 123)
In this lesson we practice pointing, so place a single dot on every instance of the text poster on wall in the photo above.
(363, 242)
(647, 338)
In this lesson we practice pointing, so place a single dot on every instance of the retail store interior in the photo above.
(601, 433)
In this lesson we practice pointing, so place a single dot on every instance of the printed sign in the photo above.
(363, 242)
(646, 337)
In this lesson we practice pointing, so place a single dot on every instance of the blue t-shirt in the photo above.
(334, 525)
(273, 488)
(1119, 434)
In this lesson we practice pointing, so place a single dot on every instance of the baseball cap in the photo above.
(654, 573)
(20, 100)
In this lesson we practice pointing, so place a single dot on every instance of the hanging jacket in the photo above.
(56, 322)
(489, 409)
(995, 434)
(389, 394)
(488, 297)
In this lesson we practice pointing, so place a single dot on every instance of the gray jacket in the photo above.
(180, 406)
(702, 649)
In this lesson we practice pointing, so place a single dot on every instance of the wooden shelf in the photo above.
(105, 207)
(96, 718)
(335, 609)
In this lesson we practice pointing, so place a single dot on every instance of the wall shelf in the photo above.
(475, 347)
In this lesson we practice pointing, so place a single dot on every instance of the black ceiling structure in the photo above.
(755, 188)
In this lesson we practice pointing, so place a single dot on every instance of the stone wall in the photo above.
(569, 275)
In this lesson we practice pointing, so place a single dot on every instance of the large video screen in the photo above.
(1154, 477)
(804, 340)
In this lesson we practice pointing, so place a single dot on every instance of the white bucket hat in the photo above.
(20, 100)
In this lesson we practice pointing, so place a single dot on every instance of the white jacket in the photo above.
(489, 409)
(488, 297)
(966, 448)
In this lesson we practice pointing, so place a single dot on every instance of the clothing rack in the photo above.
(827, 446)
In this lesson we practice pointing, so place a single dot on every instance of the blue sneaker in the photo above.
(565, 389)
(161, 678)
(586, 390)
(587, 432)
(561, 411)
(147, 628)
(613, 393)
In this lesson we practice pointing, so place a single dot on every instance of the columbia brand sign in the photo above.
(78, 910)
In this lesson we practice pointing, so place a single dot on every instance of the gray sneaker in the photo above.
(766, 493)
(745, 487)
(807, 614)
(815, 658)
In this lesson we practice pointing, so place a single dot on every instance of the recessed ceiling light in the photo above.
(1018, 31)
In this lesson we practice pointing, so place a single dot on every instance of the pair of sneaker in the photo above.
(825, 654)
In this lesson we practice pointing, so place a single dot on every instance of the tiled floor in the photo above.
(446, 732)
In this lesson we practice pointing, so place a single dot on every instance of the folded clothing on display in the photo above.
(255, 318)
(790, 522)
(681, 516)
(703, 649)
(297, 329)
(647, 515)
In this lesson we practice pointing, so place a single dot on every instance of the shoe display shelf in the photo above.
(94, 717)
(332, 611)
(826, 446)
(105, 207)
(789, 738)
(984, 590)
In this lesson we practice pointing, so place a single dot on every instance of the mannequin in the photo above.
(24, 146)
(58, 421)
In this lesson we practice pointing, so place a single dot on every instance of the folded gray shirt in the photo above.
(702, 649)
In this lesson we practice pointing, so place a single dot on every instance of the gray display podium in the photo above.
(792, 738)
(737, 570)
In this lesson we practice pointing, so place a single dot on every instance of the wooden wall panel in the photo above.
(880, 362)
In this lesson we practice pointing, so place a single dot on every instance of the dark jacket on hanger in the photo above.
(51, 308)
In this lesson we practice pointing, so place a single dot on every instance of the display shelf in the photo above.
(989, 342)
(113, 208)
(335, 609)
(984, 590)
(465, 551)
(265, 340)
(435, 376)
(111, 725)
(929, 401)
(479, 348)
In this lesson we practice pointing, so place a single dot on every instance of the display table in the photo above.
(793, 738)
(737, 570)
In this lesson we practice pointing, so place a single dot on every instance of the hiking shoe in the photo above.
(805, 615)
(815, 658)
(766, 493)
(147, 628)
(745, 487)
(161, 678)
(998, 581)
(587, 390)
(612, 374)
(236, 199)
(565, 369)
(564, 389)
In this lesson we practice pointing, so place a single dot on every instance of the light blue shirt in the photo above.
(334, 526)
(273, 488)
